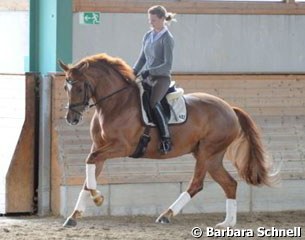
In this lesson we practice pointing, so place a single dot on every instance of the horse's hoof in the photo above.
(70, 222)
(219, 226)
(163, 220)
(224, 225)
(98, 200)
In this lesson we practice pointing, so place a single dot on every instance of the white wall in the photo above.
(204, 43)
(14, 41)
(154, 198)
(12, 116)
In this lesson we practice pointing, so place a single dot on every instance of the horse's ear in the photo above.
(82, 66)
(63, 66)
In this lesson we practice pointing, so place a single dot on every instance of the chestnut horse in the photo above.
(213, 129)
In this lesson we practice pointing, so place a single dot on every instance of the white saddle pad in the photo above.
(177, 106)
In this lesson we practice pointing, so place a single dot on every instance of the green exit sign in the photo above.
(89, 18)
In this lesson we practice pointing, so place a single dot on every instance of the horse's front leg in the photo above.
(84, 197)
(79, 208)
(94, 166)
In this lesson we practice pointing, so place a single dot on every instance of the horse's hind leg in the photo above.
(229, 185)
(84, 196)
(195, 186)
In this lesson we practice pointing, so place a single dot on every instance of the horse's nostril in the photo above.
(75, 121)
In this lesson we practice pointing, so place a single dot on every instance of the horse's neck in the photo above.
(120, 102)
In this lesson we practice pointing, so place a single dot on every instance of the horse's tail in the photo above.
(248, 155)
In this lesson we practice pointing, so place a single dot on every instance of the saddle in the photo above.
(174, 107)
(173, 104)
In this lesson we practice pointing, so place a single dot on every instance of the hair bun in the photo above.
(170, 17)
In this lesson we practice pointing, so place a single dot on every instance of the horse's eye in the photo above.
(65, 88)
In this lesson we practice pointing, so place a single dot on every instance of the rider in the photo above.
(156, 60)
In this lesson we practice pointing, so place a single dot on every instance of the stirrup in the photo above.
(166, 145)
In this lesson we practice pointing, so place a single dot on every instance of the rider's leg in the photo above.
(159, 89)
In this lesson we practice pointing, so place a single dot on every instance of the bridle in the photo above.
(85, 103)
(88, 89)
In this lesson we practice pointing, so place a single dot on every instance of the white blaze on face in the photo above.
(69, 86)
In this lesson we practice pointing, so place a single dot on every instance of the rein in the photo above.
(108, 96)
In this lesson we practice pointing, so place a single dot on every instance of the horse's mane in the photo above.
(116, 63)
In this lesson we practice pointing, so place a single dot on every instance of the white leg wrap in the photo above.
(83, 197)
(90, 176)
(231, 210)
(181, 201)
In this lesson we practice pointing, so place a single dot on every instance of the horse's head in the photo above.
(78, 90)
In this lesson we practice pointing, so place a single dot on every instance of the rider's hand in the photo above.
(145, 74)
(135, 72)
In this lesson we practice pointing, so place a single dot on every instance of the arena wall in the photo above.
(17, 152)
(204, 43)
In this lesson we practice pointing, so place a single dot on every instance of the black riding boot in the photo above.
(161, 122)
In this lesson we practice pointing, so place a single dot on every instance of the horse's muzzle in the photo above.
(73, 118)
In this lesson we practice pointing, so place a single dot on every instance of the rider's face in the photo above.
(156, 23)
